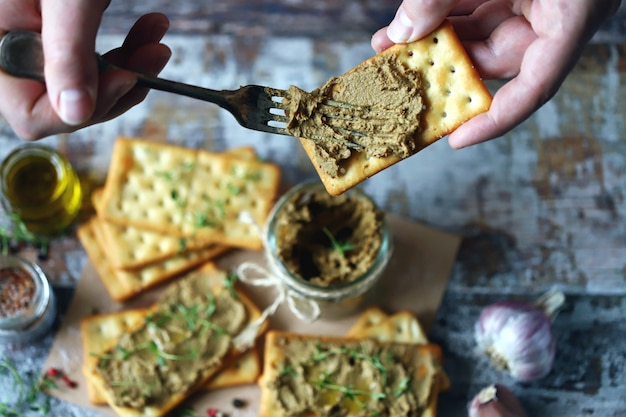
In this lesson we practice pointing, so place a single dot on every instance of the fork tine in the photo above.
(260, 102)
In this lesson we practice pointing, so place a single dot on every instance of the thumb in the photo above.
(68, 35)
(417, 18)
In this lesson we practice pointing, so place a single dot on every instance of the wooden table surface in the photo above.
(543, 206)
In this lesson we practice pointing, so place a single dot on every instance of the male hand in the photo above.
(533, 43)
(75, 94)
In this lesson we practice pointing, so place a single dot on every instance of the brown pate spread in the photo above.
(360, 378)
(374, 108)
(189, 332)
(311, 220)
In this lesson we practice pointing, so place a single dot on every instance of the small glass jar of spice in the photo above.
(27, 302)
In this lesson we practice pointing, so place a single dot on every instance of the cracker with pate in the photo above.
(303, 374)
(452, 92)
(187, 338)
(401, 327)
(99, 332)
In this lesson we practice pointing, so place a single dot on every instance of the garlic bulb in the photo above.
(495, 401)
(518, 337)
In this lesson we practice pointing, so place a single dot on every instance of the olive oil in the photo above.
(40, 186)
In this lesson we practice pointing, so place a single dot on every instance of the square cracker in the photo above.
(185, 192)
(426, 359)
(129, 247)
(99, 332)
(210, 274)
(401, 327)
(125, 284)
(453, 94)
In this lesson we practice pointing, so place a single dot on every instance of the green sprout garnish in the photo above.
(340, 247)
(30, 394)
(403, 387)
(229, 284)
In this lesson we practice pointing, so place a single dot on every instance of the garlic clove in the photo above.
(518, 336)
(495, 401)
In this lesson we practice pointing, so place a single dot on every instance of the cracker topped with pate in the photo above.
(387, 108)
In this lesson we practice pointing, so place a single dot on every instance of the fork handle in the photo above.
(175, 87)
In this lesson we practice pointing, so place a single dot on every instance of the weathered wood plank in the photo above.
(329, 19)
(545, 205)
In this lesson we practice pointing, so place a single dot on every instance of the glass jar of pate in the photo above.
(27, 302)
(41, 188)
(331, 250)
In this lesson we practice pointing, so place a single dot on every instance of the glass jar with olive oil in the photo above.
(40, 186)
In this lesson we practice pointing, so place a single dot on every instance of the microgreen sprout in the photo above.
(233, 189)
(402, 388)
(177, 198)
(19, 234)
(287, 370)
(348, 392)
(184, 412)
(229, 284)
(31, 394)
(340, 247)
(253, 176)
(212, 215)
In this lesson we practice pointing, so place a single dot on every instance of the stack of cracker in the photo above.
(401, 330)
(101, 334)
(166, 209)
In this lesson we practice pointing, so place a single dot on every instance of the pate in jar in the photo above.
(331, 250)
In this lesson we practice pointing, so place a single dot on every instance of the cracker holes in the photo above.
(410, 53)
(452, 70)
(435, 40)
(170, 219)
(145, 214)
(162, 246)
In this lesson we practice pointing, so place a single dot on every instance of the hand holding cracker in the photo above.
(409, 96)
(535, 43)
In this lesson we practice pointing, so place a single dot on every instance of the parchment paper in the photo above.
(415, 280)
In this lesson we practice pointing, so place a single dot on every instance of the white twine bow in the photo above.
(256, 275)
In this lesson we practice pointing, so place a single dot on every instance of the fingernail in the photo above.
(400, 29)
(75, 106)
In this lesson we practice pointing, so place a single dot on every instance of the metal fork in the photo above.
(21, 55)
